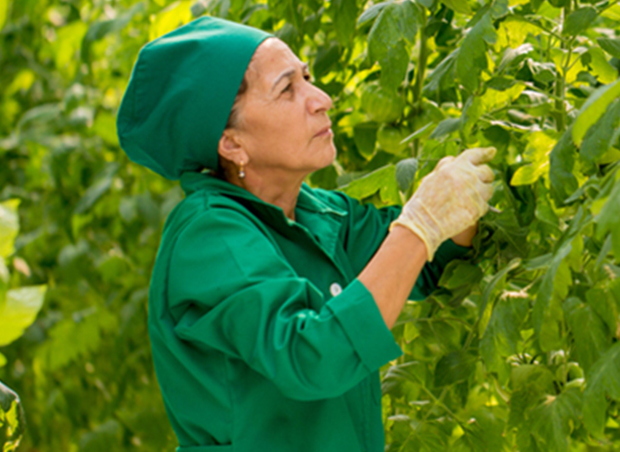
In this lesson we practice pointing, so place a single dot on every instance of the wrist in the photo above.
(410, 239)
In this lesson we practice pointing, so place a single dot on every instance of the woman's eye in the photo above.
(308, 78)
(287, 88)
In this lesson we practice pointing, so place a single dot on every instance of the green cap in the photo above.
(181, 92)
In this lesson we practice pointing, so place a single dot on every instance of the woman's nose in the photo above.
(318, 100)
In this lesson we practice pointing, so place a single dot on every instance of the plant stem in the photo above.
(560, 80)
(419, 81)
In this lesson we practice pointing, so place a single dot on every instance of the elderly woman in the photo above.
(271, 302)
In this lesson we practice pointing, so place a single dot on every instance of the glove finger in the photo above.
(486, 191)
(485, 173)
(479, 155)
(443, 162)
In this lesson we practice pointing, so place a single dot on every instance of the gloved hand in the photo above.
(449, 199)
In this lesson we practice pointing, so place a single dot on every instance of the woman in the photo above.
(271, 302)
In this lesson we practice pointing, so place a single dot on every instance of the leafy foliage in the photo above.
(517, 349)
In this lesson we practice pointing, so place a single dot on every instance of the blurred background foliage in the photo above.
(517, 350)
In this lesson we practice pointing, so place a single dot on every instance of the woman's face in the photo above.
(283, 122)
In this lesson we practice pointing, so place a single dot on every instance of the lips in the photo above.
(324, 131)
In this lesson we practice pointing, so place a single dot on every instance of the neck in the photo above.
(275, 188)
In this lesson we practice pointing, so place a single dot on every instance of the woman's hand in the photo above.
(466, 237)
(450, 199)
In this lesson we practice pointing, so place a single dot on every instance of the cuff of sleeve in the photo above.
(448, 251)
(359, 315)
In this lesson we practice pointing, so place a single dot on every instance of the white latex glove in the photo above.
(449, 199)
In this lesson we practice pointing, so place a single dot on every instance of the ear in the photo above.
(230, 147)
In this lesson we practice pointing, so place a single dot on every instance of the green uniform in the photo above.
(263, 338)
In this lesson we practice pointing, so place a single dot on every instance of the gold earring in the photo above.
(241, 171)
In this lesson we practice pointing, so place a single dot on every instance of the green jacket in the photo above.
(263, 338)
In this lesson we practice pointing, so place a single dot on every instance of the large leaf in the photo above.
(472, 58)
(539, 146)
(397, 21)
(611, 46)
(579, 20)
(382, 180)
(19, 310)
(555, 418)
(453, 368)
(503, 331)
(603, 379)
(345, 15)
(594, 108)
(608, 219)
(591, 338)
(603, 134)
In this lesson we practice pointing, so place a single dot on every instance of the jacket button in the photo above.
(335, 289)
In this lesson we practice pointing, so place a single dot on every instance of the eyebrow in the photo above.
(289, 73)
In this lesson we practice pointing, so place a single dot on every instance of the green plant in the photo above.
(517, 350)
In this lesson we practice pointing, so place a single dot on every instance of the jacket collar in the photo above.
(192, 182)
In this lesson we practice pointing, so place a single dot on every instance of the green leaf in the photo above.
(611, 46)
(555, 418)
(9, 226)
(503, 331)
(601, 68)
(561, 163)
(62, 348)
(579, 20)
(446, 127)
(608, 220)
(460, 273)
(603, 379)
(19, 310)
(484, 431)
(394, 65)
(530, 383)
(365, 136)
(344, 13)
(326, 57)
(405, 173)
(593, 109)
(489, 289)
(4, 12)
(441, 72)
(99, 29)
(590, 334)
(371, 13)
(554, 287)
(602, 135)
(102, 183)
(382, 180)
(396, 22)
(472, 57)
(539, 146)
(515, 56)
(171, 17)
(459, 6)
(454, 367)
(405, 380)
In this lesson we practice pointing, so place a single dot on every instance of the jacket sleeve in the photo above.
(366, 230)
(230, 290)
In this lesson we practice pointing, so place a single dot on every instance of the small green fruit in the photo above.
(382, 105)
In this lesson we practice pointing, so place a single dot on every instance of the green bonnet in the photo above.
(181, 92)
